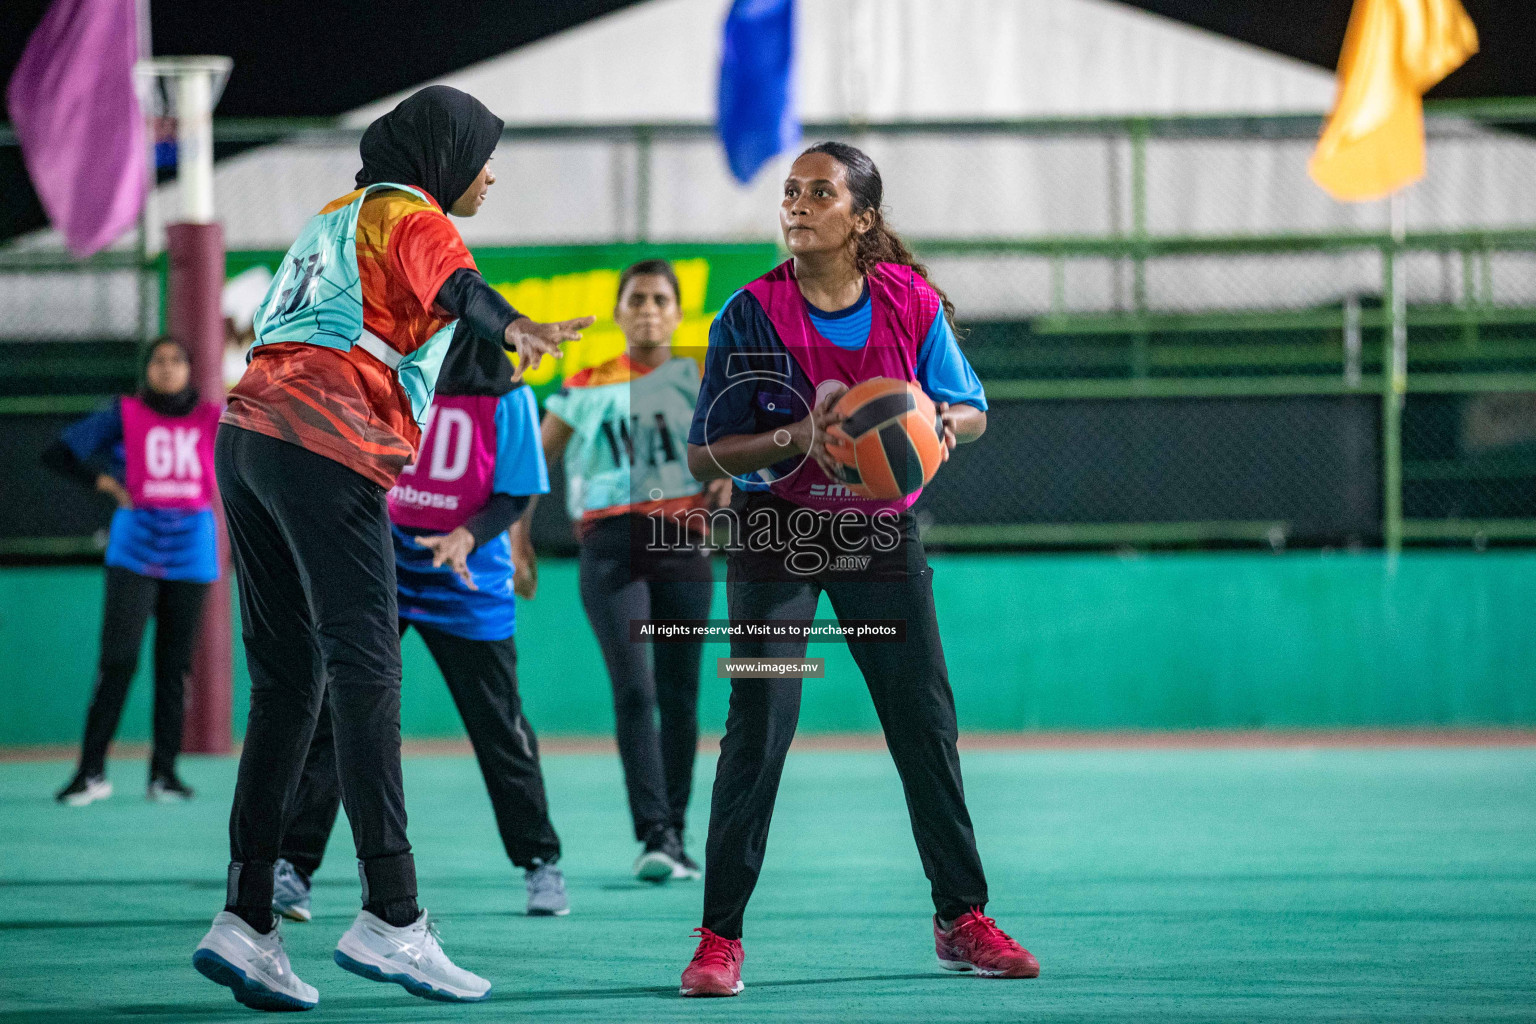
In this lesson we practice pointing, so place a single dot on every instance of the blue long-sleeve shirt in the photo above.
(162, 543)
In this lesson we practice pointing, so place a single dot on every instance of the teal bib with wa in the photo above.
(317, 299)
(630, 442)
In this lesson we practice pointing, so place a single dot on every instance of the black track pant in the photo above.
(316, 571)
(909, 684)
(131, 599)
(624, 577)
(482, 677)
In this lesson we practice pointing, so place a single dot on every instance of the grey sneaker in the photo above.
(410, 957)
(546, 892)
(290, 892)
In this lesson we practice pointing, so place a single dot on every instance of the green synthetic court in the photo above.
(1293, 884)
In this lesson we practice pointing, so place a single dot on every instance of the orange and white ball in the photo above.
(891, 442)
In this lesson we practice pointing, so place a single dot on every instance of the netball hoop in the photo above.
(178, 95)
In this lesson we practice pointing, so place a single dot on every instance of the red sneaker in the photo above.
(975, 943)
(716, 966)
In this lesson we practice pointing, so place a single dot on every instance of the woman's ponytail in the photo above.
(879, 244)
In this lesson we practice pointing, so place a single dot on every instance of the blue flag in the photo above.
(756, 118)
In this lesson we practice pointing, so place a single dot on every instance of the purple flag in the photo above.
(72, 104)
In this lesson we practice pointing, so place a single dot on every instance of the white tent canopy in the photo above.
(858, 60)
(884, 60)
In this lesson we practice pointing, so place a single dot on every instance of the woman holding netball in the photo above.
(850, 305)
(349, 341)
(620, 428)
(162, 553)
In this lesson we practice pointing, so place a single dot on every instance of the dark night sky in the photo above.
(319, 57)
(1313, 31)
(315, 57)
(307, 57)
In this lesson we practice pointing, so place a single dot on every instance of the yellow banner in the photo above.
(1394, 52)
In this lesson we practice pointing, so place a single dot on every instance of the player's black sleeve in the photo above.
(467, 297)
(496, 516)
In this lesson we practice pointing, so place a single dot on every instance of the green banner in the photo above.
(557, 282)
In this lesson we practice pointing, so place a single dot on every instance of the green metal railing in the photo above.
(1473, 345)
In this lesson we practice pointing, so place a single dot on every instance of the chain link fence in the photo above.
(1151, 399)
(1183, 339)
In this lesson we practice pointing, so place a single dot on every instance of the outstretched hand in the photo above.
(532, 341)
(454, 549)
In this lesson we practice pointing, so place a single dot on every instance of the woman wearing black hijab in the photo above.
(348, 344)
(162, 553)
(480, 464)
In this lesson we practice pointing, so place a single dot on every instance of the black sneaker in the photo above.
(168, 789)
(658, 861)
(84, 789)
(688, 869)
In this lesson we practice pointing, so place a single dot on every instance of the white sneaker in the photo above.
(84, 790)
(662, 857)
(409, 957)
(251, 965)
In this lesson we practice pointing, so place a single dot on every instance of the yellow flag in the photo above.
(1394, 52)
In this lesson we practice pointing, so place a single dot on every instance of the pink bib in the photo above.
(903, 306)
(453, 472)
(170, 458)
